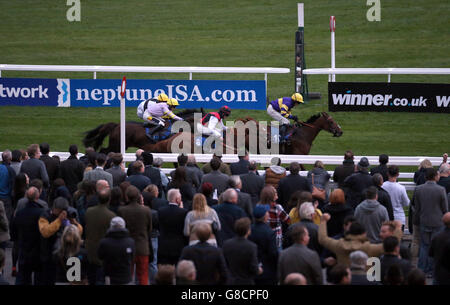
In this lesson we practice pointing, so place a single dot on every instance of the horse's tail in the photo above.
(95, 137)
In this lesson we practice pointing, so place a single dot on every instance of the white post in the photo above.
(190, 75)
(122, 116)
(300, 15)
(332, 30)
(389, 78)
(95, 74)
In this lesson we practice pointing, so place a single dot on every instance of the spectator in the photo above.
(240, 167)
(244, 199)
(444, 180)
(123, 186)
(4, 228)
(153, 173)
(3, 281)
(394, 276)
(180, 182)
(117, 170)
(100, 185)
(295, 278)
(16, 160)
(171, 224)
(397, 192)
(338, 210)
(289, 184)
(117, 252)
(223, 167)
(358, 266)
(441, 274)
(347, 168)
(381, 169)
(139, 223)
(228, 213)
(193, 169)
(383, 196)
(98, 219)
(274, 173)
(70, 246)
(252, 183)
(277, 215)
(138, 179)
(321, 178)
(356, 183)
(37, 183)
(416, 277)
(151, 199)
(72, 169)
(371, 214)
(218, 180)
(298, 258)
(387, 229)
(88, 151)
(157, 163)
(20, 187)
(116, 200)
(207, 191)
(340, 275)
(419, 175)
(354, 239)
(186, 273)
(265, 239)
(241, 255)
(191, 177)
(430, 204)
(25, 232)
(165, 275)
(201, 212)
(139, 157)
(51, 164)
(33, 167)
(86, 191)
(296, 200)
(51, 225)
(391, 255)
(208, 260)
(59, 189)
(98, 173)
(7, 177)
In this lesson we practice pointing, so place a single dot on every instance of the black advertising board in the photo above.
(392, 97)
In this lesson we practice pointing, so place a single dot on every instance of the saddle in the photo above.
(156, 133)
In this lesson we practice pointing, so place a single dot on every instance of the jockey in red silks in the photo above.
(212, 121)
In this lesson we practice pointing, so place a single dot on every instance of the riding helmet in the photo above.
(224, 110)
(297, 97)
(172, 102)
(162, 97)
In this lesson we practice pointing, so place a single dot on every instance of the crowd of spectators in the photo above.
(218, 224)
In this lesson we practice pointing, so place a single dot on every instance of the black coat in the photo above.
(52, 166)
(228, 213)
(240, 167)
(356, 185)
(116, 251)
(313, 231)
(252, 184)
(338, 213)
(387, 260)
(241, 256)
(289, 185)
(71, 171)
(265, 239)
(380, 169)
(341, 172)
(209, 263)
(171, 240)
(385, 200)
(155, 176)
(187, 194)
(25, 231)
(139, 180)
(439, 245)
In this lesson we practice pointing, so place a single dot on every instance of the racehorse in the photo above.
(135, 135)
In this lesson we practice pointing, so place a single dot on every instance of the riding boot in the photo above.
(283, 129)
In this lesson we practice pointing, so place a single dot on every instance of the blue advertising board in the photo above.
(106, 92)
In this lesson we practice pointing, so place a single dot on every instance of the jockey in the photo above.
(156, 113)
(208, 124)
(142, 112)
(280, 110)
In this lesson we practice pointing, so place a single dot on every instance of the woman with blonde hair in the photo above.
(419, 175)
(201, 213)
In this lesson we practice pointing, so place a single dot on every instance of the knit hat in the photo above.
(117, 223)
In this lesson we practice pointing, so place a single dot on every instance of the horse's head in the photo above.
(331, 125)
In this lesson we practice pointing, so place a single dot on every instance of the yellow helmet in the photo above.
(172, 102)
(297, 97)
(163, 97)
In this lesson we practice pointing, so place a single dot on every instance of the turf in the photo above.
(230, 33)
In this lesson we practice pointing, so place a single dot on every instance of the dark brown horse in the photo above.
(135, 135)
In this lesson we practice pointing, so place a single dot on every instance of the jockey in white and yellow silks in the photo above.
(280, 110)
(156, 113)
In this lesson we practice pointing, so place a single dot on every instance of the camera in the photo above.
(71, 214)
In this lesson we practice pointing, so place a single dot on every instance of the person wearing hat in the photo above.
(142, 112)
(51, 225)
(265, 239)
(209, 123)
(357, 183)
(280, 110)
(156, 113)
(116, 251)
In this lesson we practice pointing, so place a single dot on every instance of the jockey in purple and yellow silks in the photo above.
(280, 110)
(157, 112)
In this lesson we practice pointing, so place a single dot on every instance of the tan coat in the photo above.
(273, 178)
